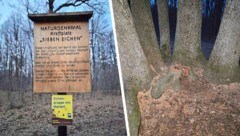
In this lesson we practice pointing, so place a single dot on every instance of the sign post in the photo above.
(61, 60)
(62, 130)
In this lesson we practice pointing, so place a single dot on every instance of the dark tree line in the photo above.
(16, 64)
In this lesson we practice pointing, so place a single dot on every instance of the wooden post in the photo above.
(62, 130)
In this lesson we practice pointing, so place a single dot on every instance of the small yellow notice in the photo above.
(62, 110)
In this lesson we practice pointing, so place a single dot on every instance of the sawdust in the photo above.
(198, 108)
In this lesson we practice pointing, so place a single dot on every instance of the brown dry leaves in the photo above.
(99, 115)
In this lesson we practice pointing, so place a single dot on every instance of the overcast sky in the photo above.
(9, 6)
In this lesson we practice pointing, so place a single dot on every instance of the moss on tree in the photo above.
(134, 116)
(165, 52)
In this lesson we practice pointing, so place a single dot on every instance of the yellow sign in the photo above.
(62, 110)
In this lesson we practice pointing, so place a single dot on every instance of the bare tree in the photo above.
(96, 5)
(142, 19)
(187, 46)
(134, 59)
(224, 60)
(15, 48)
(163, 19)
(136, 72)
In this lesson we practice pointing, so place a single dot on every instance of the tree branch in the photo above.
(68, 4)
(50, 5)
(97, 6)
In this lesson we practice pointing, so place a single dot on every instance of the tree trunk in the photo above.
(224, 60)
(187, 48)
(141, 13)
(50, 6)
(135, 70)
(163, 19)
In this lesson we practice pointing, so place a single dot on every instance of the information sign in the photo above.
(61, 52)
(62, 110)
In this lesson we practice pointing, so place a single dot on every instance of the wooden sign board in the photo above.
(61, 53)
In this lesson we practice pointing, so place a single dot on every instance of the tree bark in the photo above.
(135, 70)
(50, 6)
(187, 48)
(163, 19)
(224, 59)
(141, 13)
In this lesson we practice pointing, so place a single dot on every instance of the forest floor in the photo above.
(101, 115)
(199, 108)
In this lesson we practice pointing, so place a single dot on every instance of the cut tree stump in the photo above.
(171, 79)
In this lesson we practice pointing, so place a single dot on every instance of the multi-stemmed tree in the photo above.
(141, 59)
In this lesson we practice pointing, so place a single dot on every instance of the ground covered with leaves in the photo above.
(100, 115)
(198, 108)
